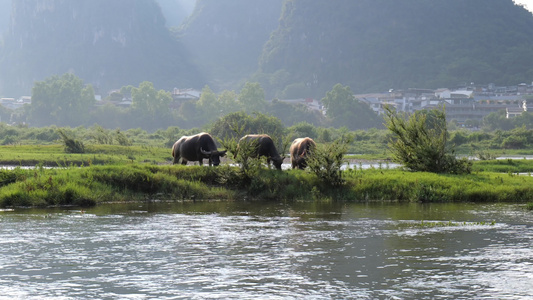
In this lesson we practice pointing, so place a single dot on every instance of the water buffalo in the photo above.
(264, 146)
(300, 149)
(196, 148)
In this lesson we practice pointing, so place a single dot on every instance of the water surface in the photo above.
(220, 250)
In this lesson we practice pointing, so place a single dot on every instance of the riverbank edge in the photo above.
(91, 185)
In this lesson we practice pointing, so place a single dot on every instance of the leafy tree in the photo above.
(252, 97)
(152, 103)
(240, 123)
(207, 98)
(324, 135)
(126, 90)
(227, 102)
(61, 100)
(5, 114)
(207, 104)
(295, 90)
(342, 109)
(111, 116)
(525, 120)
(420, 142)
(151, 107)
(304, 129)
(497, 120)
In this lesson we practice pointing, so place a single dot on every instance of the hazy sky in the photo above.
(528, 3)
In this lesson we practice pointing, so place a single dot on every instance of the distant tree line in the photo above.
(66, 101)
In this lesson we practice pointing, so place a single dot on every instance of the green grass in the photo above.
(504, 166)
(430, 187)
(90, 185)
(113, 173)
(54, 155)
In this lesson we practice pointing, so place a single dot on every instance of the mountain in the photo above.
(106, 43)
(294, 48)
(5, 11)
(226, 38)
(376, 45)
(176, 11)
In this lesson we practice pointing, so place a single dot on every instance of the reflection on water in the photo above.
(270, 250)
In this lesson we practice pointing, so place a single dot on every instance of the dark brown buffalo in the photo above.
(196, 148)
(264, 146)
(300, 150)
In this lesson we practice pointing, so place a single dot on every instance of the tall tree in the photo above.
(61, 100)
(227, 101)
(252, 97)
(207, 104)
(151, 106)
(152, 103)
(342, 109)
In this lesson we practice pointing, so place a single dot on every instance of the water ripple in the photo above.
(133, 255)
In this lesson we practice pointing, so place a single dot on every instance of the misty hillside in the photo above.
(375, 45)
(176, 11)
(5, 12)
(226, 38)
(294, 48)
(107, 43)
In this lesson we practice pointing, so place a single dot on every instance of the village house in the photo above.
(463, 103)
(13, 103)
(180, 96)
(515, 111)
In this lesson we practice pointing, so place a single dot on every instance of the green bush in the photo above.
(71, 145)
(514, 142)
(326, 162)
(420, 142)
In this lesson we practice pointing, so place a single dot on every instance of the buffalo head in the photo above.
(277, 161)
(213, 156)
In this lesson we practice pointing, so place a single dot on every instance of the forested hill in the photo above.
(226, 37)
(294, 48)
(107, 43)
(5, 10)
(375, 45)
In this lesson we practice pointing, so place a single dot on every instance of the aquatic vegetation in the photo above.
(433, 224)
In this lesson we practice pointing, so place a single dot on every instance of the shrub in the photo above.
(420, 142)
(326, 162)
(101, 136)
(122, 139)
(71, 145)
(514, 142)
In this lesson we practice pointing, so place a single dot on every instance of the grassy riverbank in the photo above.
(54, 155)
(90, 185)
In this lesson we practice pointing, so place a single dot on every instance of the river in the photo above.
(307, 250)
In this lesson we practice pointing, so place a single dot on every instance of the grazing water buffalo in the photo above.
(264, 146)
(300, 150)
(196, 148)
